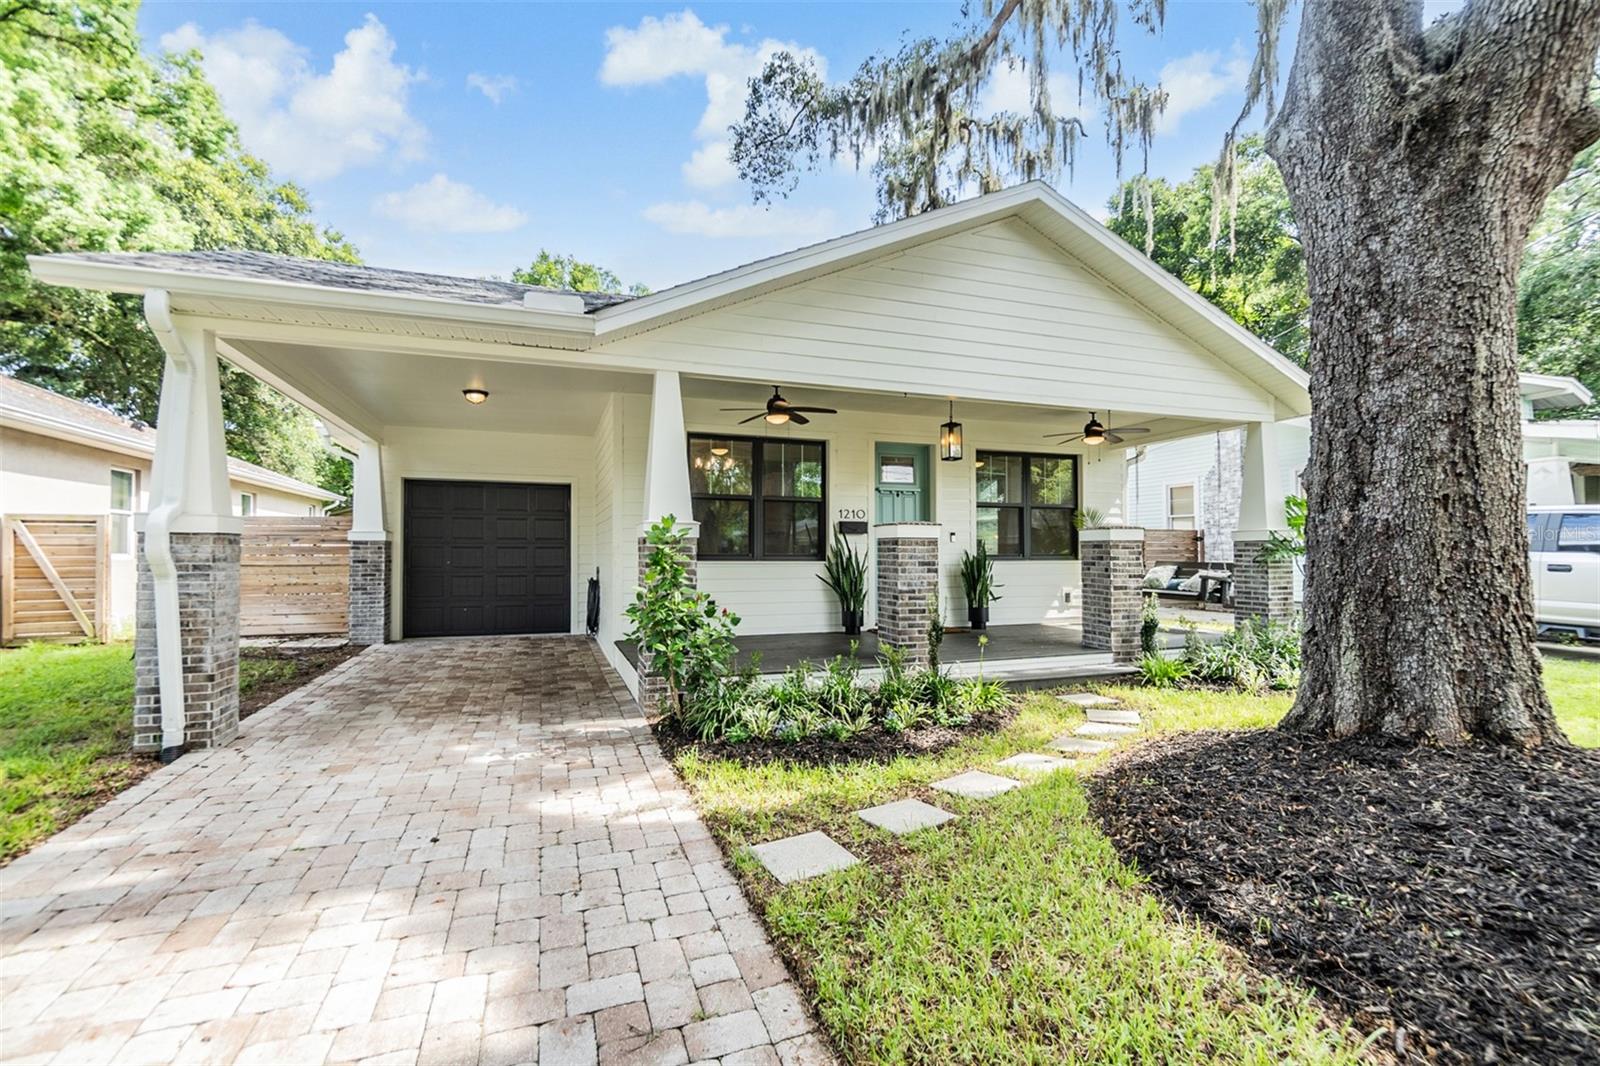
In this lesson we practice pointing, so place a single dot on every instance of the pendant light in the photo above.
(950, 438)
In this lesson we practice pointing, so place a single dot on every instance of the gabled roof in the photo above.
(32, 409)
(595, 320)
(1552, 392)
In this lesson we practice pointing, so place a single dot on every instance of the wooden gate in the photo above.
(53, 577)
(294, 577)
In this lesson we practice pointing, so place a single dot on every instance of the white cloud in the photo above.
(311, 125)
(494, 86)
(1196, 81)
(440, 205)
(680, 45)
(1009, 89)
(695, 218)
(710, 166)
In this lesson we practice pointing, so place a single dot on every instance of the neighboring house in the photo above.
(1195, 483)
(1015, 314)
(60, 456)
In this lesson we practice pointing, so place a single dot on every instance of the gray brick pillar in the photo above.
(208, 617)
(1262, 590)
(652, 687)
(908, 584)
(1113, 573)
(369, 592)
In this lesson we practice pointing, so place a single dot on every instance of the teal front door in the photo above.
(902, 482)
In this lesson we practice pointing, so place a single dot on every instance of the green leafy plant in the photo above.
(682, 634)
(1159, 672)
(1251, 656)
(935, 631)
(1149, 625)
(845, 572)
(1290, 545)
(977, 578)
(1088, 518)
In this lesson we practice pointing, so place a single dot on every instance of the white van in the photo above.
(1565, 542)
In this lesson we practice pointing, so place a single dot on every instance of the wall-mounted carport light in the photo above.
(475, 396)
(950, 438)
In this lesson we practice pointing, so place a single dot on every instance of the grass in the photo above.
(1015, 933)
(66, 722)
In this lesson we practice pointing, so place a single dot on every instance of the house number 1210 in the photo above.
(852, 512)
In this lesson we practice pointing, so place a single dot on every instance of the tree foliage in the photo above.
(1261, 282)
(573, 274)
(105, 149)
(1558, 295)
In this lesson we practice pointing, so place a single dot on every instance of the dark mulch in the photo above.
(299, 667)
(872, 745)
(1451, 897)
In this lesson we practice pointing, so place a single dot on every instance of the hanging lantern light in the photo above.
(950, 438)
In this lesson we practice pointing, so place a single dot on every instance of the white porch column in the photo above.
(186, 649)
(1263, 590)
(666, 471)
(369, 549)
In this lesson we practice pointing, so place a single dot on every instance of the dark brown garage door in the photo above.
(486, 557)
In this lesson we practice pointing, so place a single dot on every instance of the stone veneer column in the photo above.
(1262, 590)
(1113, 573)
(208, 618)
(369, 592)
(908, 584)
(652, 687)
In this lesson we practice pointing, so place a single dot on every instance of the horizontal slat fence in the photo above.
(294, 576)
(1171, 546)
(53, 577)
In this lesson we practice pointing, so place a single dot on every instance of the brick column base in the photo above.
(1113, 574)
(653, 687)
(908, 584)
(369, 592)
(1262, 590)
(208, 618)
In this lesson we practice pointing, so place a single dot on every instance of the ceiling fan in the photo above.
(1094, 432)
(779, 411)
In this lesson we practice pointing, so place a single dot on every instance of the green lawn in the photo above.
(66, 721)
(1015, 934)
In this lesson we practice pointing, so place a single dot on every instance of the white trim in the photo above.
(1110, 534)
(908, 530)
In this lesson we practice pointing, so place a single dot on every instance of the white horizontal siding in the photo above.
(994, 313)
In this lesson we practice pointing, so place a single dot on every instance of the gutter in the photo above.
(158, 528)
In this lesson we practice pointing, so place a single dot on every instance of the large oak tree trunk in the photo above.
(1417, 161)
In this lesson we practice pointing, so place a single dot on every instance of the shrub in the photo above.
(1159, 672)
(681, 632)
(1253, 655)
(1149, 625)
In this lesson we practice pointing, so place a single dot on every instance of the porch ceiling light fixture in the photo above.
(475, 396)
(950, 438)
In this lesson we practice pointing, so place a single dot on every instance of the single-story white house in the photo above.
(60, 456)
(514, 441)
(1196, 483)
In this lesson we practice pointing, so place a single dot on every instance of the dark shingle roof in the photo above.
(270, 267)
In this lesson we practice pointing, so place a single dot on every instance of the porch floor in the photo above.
(1042, 640)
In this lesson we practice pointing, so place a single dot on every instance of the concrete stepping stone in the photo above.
(975, 784)
(1113, 715)
(1080, 745)
(799, 857)
(1104, 729)
(1089, 699)
(1034, 763)
(904, 816)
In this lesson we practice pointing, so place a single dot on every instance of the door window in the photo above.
(1578, 533)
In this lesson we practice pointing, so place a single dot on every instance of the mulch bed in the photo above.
(1448, 897)
(872, 745)
(309, 663)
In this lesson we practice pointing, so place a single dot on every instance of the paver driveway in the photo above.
(446, 851)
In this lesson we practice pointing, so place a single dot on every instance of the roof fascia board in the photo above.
(105, 440)
(112, 277)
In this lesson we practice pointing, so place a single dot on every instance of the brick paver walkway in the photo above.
(455, 851)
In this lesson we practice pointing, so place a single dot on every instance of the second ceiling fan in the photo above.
(1095, 432)
(780, 411)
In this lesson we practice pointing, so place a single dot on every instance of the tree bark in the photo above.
(1417, 160)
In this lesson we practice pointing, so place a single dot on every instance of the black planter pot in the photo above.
(851, 621)
(978, 617)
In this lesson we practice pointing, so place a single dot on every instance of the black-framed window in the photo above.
(758, 498)
(1027, 505)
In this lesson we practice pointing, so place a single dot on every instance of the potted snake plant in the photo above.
(845, 572)
(977, 581)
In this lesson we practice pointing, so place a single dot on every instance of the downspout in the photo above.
(158, 524)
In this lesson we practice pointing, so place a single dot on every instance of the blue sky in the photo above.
(463, 137)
